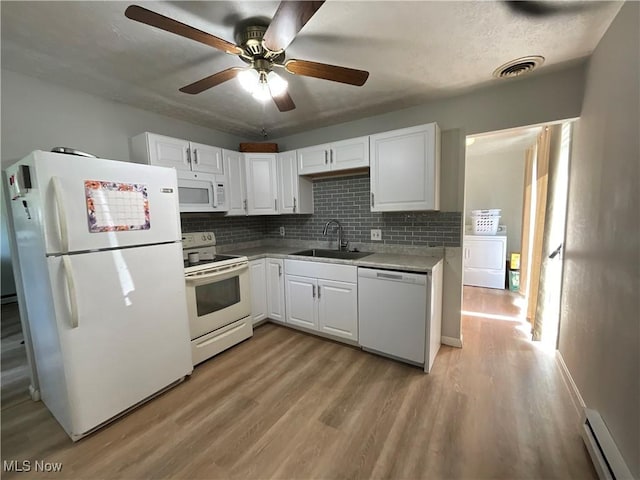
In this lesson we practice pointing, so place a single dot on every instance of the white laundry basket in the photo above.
(485, 222)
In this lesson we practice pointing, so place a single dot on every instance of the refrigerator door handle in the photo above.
(71, 286)
(62, 214)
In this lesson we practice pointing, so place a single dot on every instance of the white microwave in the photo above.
(201, 192)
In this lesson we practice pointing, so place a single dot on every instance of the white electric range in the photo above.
(218, 296)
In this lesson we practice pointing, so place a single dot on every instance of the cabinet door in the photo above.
(262, 185)
(275, 289)
(314, 159)
(169, 152)
(288, 182)
(205, 158)
(353, 153)
(236, 180)
(338, 308)
(301, 301)
(405, 169)
(258, 278)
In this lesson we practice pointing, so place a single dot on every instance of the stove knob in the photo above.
(208, 237)
(204, 237)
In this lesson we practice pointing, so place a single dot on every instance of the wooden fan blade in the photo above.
(284, 102)
(211, 81)
(334, 73)
(142, 15)
(288, 20)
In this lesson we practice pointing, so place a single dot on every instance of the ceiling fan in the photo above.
(263, 48)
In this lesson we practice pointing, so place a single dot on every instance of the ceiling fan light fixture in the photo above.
(262, 93)
(249, 79)
(277, 84)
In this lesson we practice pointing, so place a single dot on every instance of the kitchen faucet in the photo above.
(340, 244)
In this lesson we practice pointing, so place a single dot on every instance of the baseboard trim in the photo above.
(574, 393)
(451, 341)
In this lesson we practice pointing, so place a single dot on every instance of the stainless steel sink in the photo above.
(332, 254)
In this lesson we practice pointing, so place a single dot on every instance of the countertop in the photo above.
(390, 261)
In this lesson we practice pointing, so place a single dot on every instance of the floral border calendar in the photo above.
(115, 207)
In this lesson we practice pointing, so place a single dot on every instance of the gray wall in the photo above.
(38, 116)
(599, 329)
(496, 180)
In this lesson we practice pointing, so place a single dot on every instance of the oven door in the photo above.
(217, 298)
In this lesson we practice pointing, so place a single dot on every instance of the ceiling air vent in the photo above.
(518, 67)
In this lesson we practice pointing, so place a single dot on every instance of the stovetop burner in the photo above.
(216, 258)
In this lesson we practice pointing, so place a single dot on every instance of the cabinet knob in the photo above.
(325, 157)
(195, 156)
(294, 204)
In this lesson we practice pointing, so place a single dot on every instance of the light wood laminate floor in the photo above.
(289, 405)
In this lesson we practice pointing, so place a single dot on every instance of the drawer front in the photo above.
(328, 271)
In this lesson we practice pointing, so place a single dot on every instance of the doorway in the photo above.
(516, 180)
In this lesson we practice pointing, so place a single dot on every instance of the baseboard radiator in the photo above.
(604, 453)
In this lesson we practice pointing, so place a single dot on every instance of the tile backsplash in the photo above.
(347, 200)
(228, 230)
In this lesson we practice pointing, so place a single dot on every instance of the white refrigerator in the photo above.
(99, 247)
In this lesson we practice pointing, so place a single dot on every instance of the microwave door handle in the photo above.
(215, 195)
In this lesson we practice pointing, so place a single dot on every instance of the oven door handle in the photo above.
(221, 273)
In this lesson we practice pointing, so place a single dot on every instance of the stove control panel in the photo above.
(198, 239)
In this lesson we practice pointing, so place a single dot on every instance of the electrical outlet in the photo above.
(282, 231)
(376, 234)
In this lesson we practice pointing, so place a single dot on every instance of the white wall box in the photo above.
(236, 182)
(258, 279)
(275, 289)
(294, 192)
(180, 154)
(405, 169)
(262, 183)
(484, 259)
(322, 297)
(343, 155)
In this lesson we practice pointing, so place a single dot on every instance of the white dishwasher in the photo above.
(394, 309)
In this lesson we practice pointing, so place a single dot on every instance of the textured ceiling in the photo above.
(415, 51)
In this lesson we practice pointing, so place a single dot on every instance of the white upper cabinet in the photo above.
(262, 183)
(405, 169)
(344, 155)
(295, 193)
(313, 159)
(352, 153)
(236, 182)
(205, 158)
(180, 154)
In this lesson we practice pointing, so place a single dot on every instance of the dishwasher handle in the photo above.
(393, 276)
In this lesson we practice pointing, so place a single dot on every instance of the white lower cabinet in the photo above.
(275, 289)
(267, 289)
(301, 301)
(258, 278)
(338, 308)
(322, 297)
